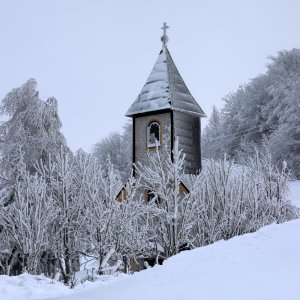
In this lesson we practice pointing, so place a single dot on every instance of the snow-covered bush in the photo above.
(69, 208)
(170, 209)
(224, 200)
(234, 199)
(25, 225)
(112, 227)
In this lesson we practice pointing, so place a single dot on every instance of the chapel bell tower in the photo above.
(165, 110)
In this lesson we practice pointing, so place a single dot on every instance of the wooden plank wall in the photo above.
(187, 129)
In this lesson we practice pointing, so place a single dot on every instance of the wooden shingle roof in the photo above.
(164, 89)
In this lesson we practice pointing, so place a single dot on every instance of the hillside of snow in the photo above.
(258, 266)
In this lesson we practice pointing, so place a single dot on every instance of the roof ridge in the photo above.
(168, 71)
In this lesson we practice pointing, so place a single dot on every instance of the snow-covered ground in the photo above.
(262, 265)
(27, 286)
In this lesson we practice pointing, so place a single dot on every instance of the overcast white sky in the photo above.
(95, 56)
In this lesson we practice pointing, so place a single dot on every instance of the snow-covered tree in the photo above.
(25, 223)
(171, 209)
(114, 227)
(66, 191)
(212, 139)
(118, 149)
(30, 133)
(284, 109)
(264, 112)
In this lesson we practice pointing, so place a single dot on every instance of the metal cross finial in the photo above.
(165, 38)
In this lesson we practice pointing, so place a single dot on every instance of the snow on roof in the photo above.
(164, 89)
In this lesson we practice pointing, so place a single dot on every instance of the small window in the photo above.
(151, 196)
(153, 134)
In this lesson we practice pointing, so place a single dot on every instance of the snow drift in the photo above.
(262, 265)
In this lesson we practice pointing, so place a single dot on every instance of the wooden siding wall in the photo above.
(187, 129)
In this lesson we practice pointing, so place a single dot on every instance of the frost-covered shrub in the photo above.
(25, 225)
(233, 199)
(170, 210)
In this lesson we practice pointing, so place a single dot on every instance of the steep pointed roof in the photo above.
(164, 89)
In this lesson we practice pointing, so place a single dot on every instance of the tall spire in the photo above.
(165, 38)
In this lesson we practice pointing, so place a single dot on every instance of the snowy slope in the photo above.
(262, 265)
